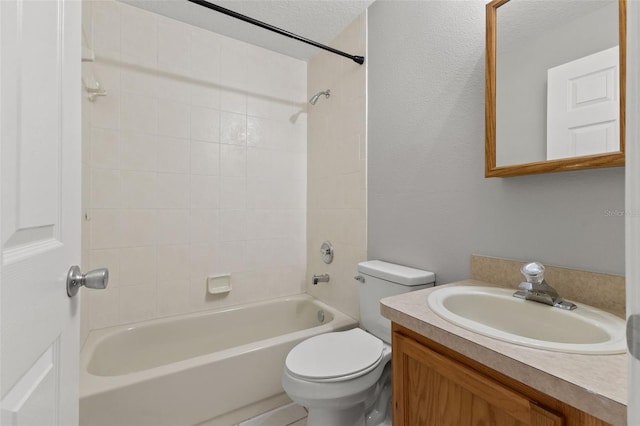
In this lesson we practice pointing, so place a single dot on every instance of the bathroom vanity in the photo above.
(445, 374)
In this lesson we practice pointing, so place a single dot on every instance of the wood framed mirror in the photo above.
(555, 86)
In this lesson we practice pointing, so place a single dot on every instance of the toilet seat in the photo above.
(336, 356)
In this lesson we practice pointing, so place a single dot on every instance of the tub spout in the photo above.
(323, 278)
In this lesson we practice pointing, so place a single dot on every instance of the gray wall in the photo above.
(429, 204)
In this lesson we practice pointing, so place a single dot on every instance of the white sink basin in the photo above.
(494, 312)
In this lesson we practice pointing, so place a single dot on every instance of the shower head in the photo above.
(315, 97)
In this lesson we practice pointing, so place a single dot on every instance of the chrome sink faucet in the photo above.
(537, 289)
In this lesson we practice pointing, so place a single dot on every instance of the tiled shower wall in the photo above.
(337, 168)
(195, 165)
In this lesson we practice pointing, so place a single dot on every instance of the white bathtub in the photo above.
(199, 367)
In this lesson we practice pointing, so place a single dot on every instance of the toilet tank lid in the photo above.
(396, 273)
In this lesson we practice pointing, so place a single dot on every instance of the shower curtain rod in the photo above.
(204, 3)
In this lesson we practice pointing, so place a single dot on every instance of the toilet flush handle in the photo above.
(359, 278)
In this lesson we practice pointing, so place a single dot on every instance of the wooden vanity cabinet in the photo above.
(433, 385)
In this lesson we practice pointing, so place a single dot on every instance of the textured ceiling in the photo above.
(318, 20)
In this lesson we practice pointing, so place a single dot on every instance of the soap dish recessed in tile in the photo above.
(218, 284)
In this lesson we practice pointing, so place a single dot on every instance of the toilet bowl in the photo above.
(338, 377)
(344, 378)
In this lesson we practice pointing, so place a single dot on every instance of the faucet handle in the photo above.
(533, 272)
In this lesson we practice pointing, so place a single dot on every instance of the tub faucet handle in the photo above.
(326, 252)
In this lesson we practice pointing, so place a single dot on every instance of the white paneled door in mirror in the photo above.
(583, 106)
(40, 210)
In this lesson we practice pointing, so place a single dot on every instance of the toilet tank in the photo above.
(379, 280)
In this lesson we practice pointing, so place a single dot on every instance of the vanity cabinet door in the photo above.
(430, 389)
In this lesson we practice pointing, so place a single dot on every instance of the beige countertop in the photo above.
(595, 384)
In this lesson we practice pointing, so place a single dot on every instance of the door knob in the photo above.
(98, 279)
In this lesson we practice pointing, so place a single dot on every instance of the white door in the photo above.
(583, 106)
(632, 207)
(40, 210)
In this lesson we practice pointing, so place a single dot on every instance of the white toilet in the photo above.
(344, 378)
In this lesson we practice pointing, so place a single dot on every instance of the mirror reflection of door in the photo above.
(532, 38)
(583, 108)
